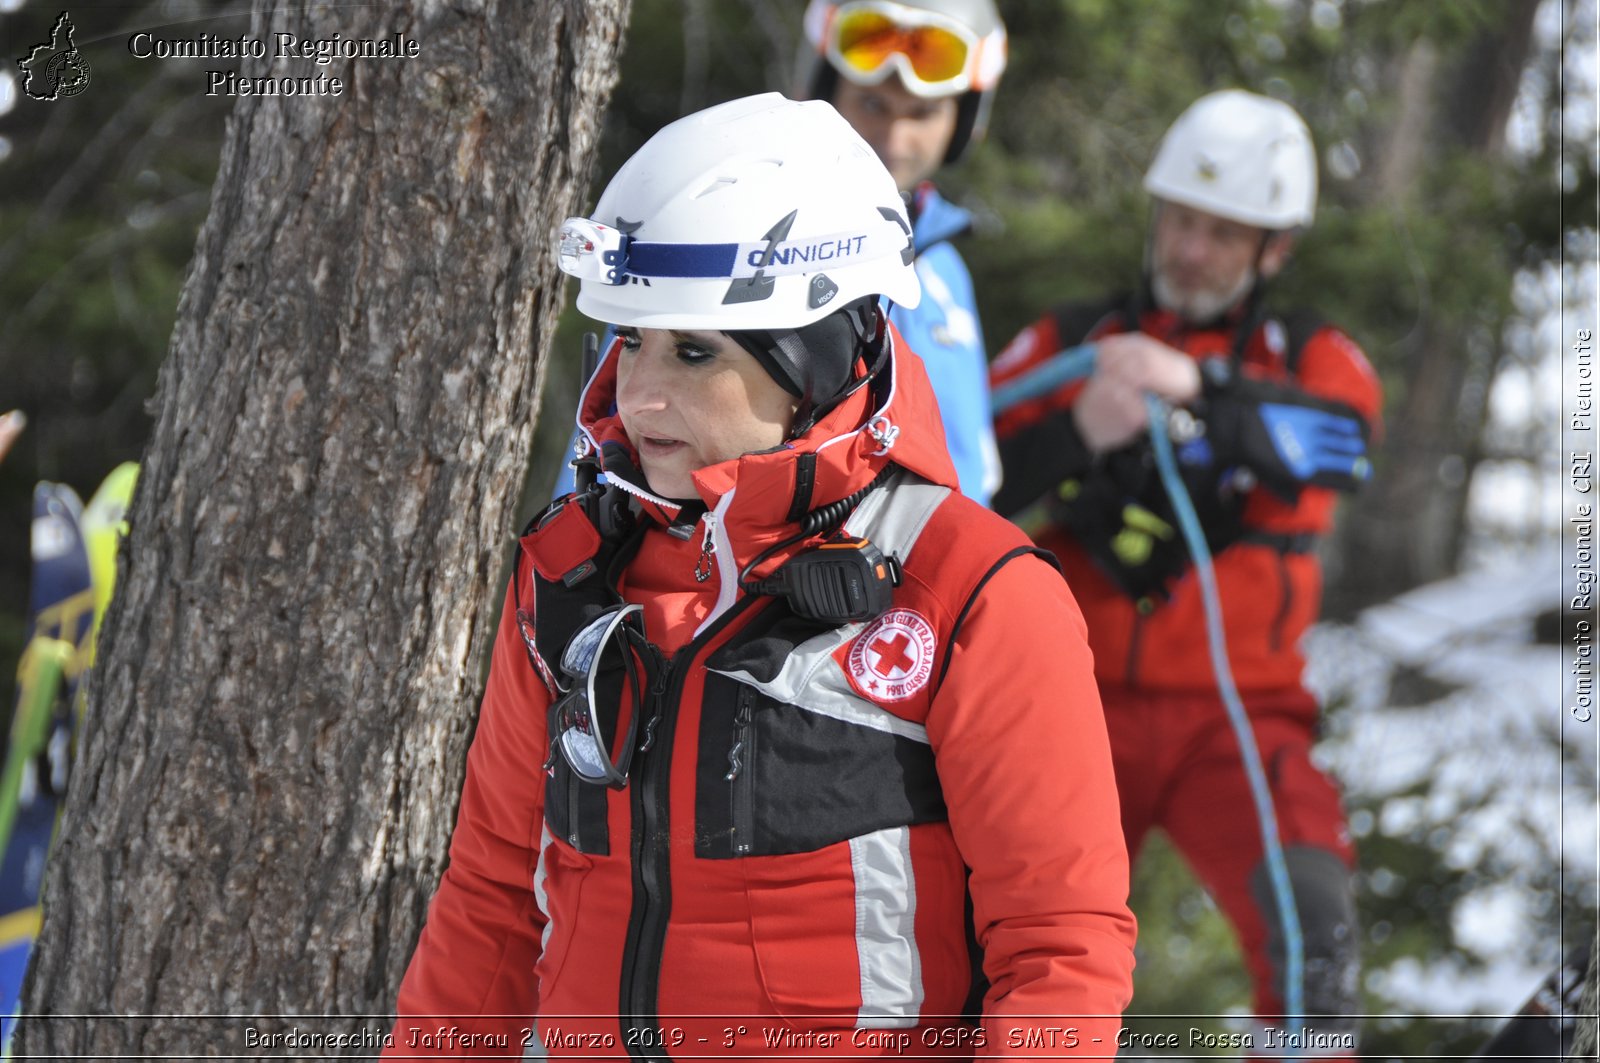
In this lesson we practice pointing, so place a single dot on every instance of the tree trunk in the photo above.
(289, 674)
(1405, 527)
(1403, 154)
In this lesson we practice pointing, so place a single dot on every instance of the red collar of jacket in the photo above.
(896, 419)
(1265, 347)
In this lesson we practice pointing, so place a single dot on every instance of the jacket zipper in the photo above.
(651, 847)
(716, 554)
(703, 566)
(1130, 674)
(740, 774)
(1284, 602)
(574, 802)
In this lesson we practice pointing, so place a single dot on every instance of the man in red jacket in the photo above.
(1271, 416)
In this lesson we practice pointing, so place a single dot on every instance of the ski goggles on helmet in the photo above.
(866, 40)
(595, 722)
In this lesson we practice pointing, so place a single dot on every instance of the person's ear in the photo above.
(1275, 255)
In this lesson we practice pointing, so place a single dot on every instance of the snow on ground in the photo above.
(1449, 724)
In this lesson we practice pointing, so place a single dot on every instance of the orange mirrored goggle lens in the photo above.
(867, 40)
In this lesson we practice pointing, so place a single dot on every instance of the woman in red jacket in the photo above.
(769, 760)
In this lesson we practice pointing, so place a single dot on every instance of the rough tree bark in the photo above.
(289, 675)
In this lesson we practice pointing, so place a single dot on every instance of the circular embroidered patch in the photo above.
(893, 659)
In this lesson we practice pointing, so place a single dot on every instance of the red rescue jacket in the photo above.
(790, 867)
(1269, 581)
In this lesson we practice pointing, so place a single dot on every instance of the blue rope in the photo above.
(1063, 367)
(1075, 363)
(1260, 792)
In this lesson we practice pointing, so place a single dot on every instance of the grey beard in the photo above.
(1202, 306)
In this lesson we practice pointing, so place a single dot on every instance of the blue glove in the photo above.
(1312, 443)
(1286, 437)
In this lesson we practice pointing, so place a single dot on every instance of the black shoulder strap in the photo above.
(563, 606)
(1074, 321)
(1298, 328)
(972, 599)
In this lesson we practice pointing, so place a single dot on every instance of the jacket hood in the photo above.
(896, 418)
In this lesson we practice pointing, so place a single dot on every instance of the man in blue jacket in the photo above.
(916, 79)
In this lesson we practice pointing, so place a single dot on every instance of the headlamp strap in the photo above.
(591, 250)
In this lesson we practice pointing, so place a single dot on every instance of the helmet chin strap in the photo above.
(867, 326)
(1254, 302)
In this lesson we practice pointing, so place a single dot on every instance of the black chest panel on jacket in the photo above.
(771, 777)
(776, 778)
(789, 758)
(575, 810)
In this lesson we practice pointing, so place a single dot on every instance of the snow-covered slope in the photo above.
(1450, 731)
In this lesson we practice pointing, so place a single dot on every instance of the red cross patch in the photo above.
(893, 658)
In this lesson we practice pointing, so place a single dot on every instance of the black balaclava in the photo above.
(815, 363)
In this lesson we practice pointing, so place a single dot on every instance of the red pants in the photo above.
(1178, 768)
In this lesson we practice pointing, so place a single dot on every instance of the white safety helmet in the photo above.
(759, 213)
(1240, 156)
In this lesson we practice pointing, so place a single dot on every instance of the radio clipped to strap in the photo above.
(845, 579)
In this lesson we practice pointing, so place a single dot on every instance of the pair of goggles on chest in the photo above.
(606, 680)
(866, 40)
(608, 668)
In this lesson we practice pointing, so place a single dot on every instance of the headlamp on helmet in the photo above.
(591, 251)
(760, 213)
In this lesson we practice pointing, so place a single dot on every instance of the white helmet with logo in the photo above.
(759, 213)
(1239, 156)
